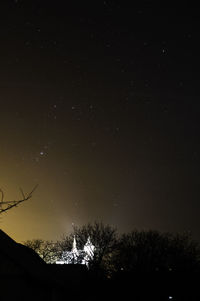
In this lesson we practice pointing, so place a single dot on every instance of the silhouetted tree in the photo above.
(45, 249)
(151, 251)
(103, 237)
(7, 205)
(183, 253)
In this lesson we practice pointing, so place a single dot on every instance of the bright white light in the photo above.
(170, 298)
(78, 256)
(60, 262)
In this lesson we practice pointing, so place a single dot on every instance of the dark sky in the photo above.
(99, 105)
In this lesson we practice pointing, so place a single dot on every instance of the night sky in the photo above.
(99, 105)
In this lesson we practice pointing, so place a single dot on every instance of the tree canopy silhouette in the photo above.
(152, 251)
(134, 252)
(103, 237)
(44, 248)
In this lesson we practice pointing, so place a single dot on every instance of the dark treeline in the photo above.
(137, 251)
(147, 265)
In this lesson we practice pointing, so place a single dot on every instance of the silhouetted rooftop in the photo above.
(17, 258)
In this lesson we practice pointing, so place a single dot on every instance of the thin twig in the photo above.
(22, 193)
(11, 204)
(2, 195)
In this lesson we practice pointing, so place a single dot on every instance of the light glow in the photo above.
(76, 256)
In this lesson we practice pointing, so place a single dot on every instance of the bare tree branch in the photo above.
(5, 206)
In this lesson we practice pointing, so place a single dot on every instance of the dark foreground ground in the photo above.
(148, 287)
(79, 284)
